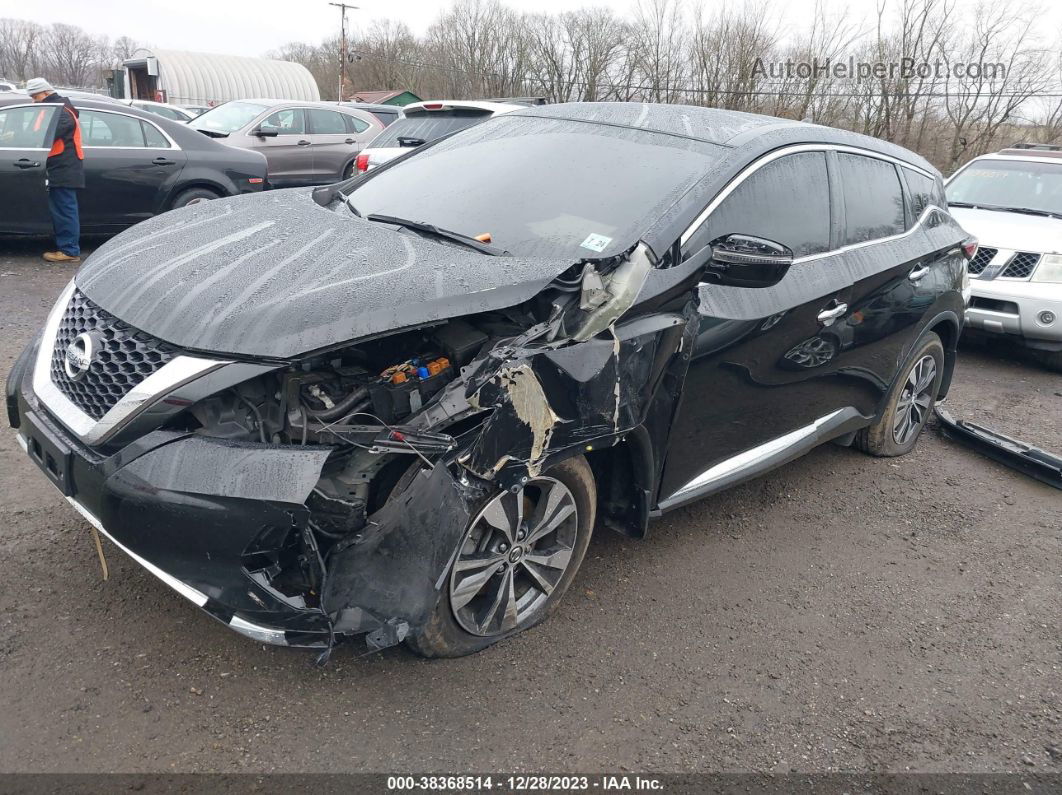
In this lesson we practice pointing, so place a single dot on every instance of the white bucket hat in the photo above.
(38, 85)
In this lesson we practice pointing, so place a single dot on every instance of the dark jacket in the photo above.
(66, 168)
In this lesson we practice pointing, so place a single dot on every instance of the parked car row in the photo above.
(137, 165)
(305, 143)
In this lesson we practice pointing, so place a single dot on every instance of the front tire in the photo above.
(909, 404)
(518, 556)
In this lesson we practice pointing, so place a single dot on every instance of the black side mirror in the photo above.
(747, 261)
(265, 132)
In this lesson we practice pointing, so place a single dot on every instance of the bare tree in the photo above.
(19, 43)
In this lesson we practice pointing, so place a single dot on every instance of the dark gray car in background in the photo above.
(304, 143)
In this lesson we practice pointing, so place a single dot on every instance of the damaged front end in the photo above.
(328, 497)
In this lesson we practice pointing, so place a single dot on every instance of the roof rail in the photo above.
(1037, 147)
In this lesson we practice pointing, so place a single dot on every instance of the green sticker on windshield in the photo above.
(596, 242)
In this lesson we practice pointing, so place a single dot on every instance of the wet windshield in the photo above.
(227, 118)
(541, 187)
(1009, 184)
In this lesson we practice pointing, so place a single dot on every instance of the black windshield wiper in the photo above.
(1000, 208)
(409, 140)
(212, 133)
(431, 229)
(1032, 211)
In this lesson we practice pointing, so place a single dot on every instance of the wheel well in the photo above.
(623, 473)
(217, 190)
(948, 330)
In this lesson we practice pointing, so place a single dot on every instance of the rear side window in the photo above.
(327, 122)
(110, 129)
(354, 125)
(924, 192)
(25, 128)
(787, 201)
(153, 138)
(426, 126)
(873, 199)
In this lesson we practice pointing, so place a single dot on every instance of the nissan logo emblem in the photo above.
(78, 357)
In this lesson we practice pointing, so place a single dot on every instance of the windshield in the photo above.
(541, 187)
(428, 125)
(1022, 184)
(228, 118)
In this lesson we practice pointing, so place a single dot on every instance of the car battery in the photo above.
(403, 388)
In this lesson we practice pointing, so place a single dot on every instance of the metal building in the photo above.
(199, 78)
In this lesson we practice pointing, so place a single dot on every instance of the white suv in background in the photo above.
(1012, 203)
(425, 122)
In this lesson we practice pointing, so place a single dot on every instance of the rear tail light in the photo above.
(969, 247)
(362, 163)
(433, 106)
(255, 180)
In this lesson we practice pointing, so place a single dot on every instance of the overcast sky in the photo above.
(253, 27)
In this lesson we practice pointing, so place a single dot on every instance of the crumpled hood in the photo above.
(1015, 231)
(277, 275)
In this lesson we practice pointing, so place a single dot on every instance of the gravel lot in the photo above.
(841, 613)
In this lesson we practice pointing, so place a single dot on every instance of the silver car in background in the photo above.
(424, 122)
(1011, 201)
(305, 143)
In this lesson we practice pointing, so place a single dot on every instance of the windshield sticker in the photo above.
(596, 242)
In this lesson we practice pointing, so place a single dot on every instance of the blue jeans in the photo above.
(63, 204)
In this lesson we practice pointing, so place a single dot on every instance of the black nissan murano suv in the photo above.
(396, 407)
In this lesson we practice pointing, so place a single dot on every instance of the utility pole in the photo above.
(343, 44)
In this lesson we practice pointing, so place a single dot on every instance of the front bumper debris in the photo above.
(1032, 461)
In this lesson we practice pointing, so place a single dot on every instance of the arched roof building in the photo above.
(198, 78)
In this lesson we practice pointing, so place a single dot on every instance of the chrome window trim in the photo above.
(770, 157)
(178, 371)
(174, 146)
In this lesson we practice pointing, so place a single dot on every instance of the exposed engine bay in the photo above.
(421, 425)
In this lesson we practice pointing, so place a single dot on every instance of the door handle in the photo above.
(350, 141)
(827, 316)
(25, 162)
(303, 143)
(918, 273)
(163, 161)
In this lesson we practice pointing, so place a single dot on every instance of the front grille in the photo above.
(1021, 265)
(981, 259)
(122, 357)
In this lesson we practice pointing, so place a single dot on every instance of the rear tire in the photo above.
(192, 196)
(504, 581)
(909, 404)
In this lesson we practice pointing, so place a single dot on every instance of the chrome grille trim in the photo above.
(179, 370)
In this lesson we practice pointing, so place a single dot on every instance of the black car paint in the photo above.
(124, 186)
(687, 377)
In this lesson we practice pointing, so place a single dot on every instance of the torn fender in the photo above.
(388, 578)
(552, 399)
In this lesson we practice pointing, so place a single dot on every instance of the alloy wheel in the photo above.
(513, 556)
(912, 408)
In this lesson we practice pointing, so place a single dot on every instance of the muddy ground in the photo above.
(841, 613)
